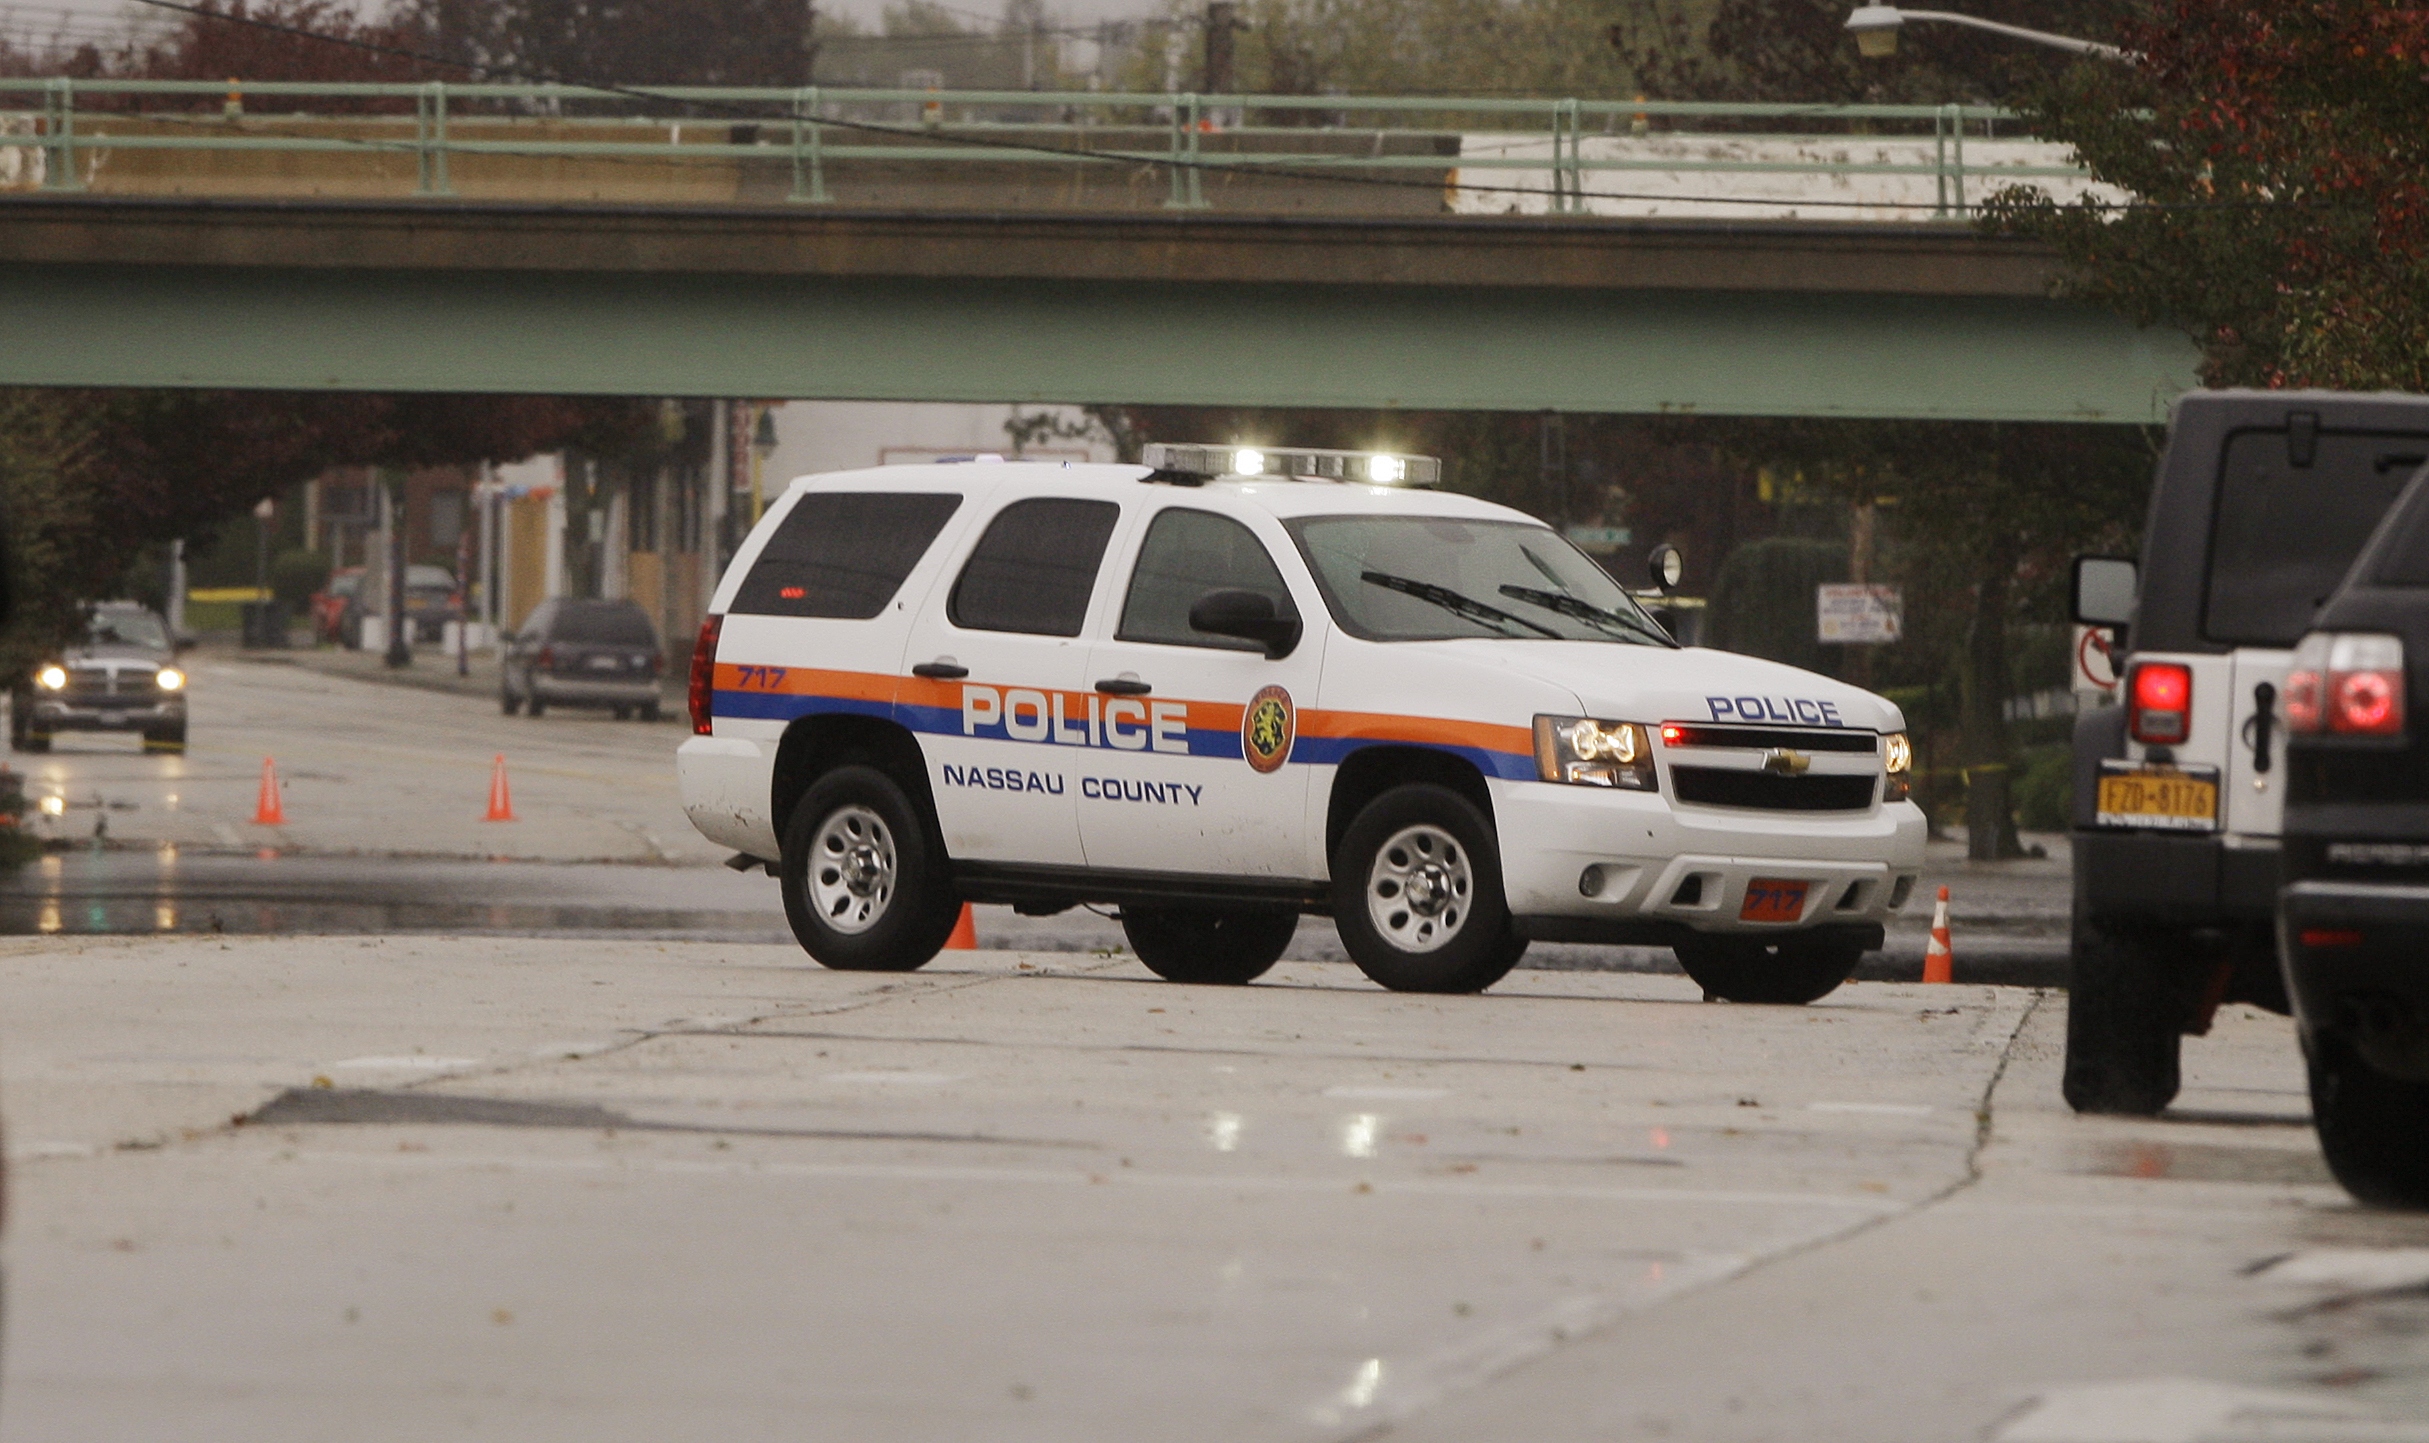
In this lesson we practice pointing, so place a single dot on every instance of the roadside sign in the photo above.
(1852, 613)
(2095, 661)
(1600, 538)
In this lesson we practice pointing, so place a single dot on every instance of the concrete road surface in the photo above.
(599, 1189)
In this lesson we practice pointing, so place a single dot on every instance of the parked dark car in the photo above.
(582, 653)
(2353, 919)
(431, 601)
(122, 676)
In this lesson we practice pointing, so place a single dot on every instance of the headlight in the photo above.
(170, 678)
(1898, 760)
(52, 677)
(1593, 753)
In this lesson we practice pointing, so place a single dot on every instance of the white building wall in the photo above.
(819, 436)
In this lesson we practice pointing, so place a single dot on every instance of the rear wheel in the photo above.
(2373, 1129)
(623, 713)
(865, 880)
(650, 711)
(1417, 893)
(2123, 1019)
(1222, 947)
(507, 701)
(533, 704)
(1790, 971)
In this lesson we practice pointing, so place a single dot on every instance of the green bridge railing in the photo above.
(1543, 151)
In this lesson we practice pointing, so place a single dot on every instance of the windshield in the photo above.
(2283, 536)
(126, 628)
(429, 578)
(1427, 578)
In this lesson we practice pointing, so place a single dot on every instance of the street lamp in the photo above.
(1876, 32)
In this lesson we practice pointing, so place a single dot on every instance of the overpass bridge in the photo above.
(904, 245)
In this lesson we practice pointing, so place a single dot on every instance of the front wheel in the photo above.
(1214, 947)
(865, 884)
(2371, 1127)
(507, 702)
(2123, 1019)
(1417, 893)
(1787, 971)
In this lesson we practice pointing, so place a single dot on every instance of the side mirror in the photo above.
(1250, 615)
(2104, 590)
(1668, 565)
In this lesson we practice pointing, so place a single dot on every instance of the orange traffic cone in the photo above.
(965, 932)
(269, 812)
(501, 803)
(1939, 963)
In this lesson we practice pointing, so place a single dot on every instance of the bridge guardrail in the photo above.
(822, 145)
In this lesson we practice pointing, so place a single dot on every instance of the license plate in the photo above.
(2176, 799)
(605, 663)
(1769, 899)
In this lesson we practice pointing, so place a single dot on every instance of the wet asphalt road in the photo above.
(384, 787)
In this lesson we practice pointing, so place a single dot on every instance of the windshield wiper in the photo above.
(1456, 602)
(1587, 611)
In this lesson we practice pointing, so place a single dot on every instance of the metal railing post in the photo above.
(1939, 161)
(1956, 116)
(59, 170)
(430, 140)
(809, 142)
(1568, 176)
(1188, 193)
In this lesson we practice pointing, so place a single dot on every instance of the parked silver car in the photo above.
(582, 653)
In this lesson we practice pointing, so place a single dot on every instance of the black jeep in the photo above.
(2353, 921)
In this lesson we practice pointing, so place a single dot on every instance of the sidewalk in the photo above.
(432, 669)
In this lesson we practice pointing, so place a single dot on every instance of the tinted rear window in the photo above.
(843, 554)
(1033, 570)
(2285, 535)
(607, 624)
(2404, 561)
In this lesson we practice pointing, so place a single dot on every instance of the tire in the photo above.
(507, 702)
(623, 713)
(534, 705)
(1787, 971)
(1455, 936)
(896, 914)
(2373, 1129)
(1218, 947)
(2124, 1017)
(651, 712)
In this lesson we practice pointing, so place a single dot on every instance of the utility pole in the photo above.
(392, 503)
(809, 43)
(1222, 22)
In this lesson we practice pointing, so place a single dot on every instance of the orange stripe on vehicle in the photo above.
(1439, 731)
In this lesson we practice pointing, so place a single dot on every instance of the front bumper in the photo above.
(53, 714)
(2356, 959)
(1587, 864)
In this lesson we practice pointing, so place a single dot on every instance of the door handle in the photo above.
(2264, 717)
(1123, 686)
(941, 670)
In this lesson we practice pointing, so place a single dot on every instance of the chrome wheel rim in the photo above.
(1421, 888)
(852, 869)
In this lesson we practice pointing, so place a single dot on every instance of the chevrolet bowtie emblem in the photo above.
(1786, 762)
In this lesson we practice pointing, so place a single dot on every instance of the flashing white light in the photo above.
(1175, 461)
(170, 678)
(53, 677)
(54, 806)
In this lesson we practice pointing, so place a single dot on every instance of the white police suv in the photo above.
(1231, 686)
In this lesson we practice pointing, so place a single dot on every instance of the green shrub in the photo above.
(2043, 793)
(295, 575)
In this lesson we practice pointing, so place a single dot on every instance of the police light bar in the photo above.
(1378, 468)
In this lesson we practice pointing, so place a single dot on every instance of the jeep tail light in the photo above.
(704, 674)
(2162, 703)
(548, 658)
(2347, 684)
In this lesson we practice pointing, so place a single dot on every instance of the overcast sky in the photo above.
(105, 19)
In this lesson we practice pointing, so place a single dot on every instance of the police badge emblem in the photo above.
(1266, 729)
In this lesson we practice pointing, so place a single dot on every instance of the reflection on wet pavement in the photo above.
(170, 889)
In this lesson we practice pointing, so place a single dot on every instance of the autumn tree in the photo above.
(2280, 157)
